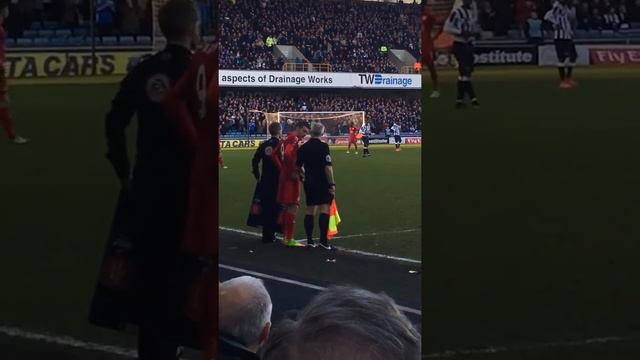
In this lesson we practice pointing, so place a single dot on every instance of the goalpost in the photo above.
(336, 123)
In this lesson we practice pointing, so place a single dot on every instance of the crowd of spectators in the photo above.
(236, 107)
(348, 35)
(498, 17)
(112, 17)
(338, 323)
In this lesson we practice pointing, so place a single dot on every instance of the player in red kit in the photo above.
(6, 121)
(285, 157)
(428, 49)
(193, 107)
(353, 131)
(220, 158)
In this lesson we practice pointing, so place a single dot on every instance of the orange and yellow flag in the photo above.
(334, 220)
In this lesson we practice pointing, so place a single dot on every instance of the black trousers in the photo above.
(464, 55)
(566, 49)
(162, 273)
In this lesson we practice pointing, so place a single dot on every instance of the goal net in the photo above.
(336, 123)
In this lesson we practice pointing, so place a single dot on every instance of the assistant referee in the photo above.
(314, 162)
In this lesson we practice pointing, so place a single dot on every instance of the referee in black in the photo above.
(159, 183)
(267, 187)
(462, 24)
(314, 161)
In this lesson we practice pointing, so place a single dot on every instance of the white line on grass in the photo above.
(298, 283)
(67, 341)
(449, 354)
(350, 251)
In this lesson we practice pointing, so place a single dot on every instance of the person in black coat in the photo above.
(267, 186)
(159, 182)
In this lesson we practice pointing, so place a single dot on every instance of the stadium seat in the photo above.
(515, 34)
(77, 40)
(24, 42)
(30, 34)
(634, 25)
(60, 41)
(63, 32)
(127, 40)
(41, 41)
(36, 25)
(80, 32)
(50, 25)
(143, 40)
(581, 34)
(45, 33)
(109, 40)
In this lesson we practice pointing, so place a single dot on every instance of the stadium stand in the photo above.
(66, 23)
(594, 19)
(354, 36)
(381, 109)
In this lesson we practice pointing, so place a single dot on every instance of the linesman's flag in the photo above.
(334, 220)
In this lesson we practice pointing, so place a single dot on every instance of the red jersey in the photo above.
(193, 107)
(285, 155)
(428, 22)
(285, 158)
(352, 132)
(3, 44)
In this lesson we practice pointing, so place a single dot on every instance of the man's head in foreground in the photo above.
(355, 324)
(275, 129)
(245, 311)
(178, 21)
(302, 129)
(317, 130)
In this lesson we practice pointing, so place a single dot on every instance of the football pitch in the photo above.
(531, 209)
(378, 198)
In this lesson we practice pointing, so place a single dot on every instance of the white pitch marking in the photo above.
(448, 354)
(298, 283)
(68, 341)
(357, 252)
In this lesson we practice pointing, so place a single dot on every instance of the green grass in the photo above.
(380, 194)
(58, 194)
(531, 209)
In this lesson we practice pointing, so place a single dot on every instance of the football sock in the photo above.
(289, 222)
(323, 221)
(460, 90)
(569, 72)
(561, 72)
(308, 228)
(470, 91)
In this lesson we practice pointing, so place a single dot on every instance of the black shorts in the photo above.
(464, 55)
(566, 49)
(398, 139)
(317, 195)
(365, 141)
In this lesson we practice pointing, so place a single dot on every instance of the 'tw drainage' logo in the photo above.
(385, 80)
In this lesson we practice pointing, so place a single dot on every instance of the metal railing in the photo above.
(292, 66)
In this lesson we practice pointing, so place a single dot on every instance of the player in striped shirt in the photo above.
(395, 129)
(365, 130)
(463, 25)
(560, 17)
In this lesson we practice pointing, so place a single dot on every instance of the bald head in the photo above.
(245, 311)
